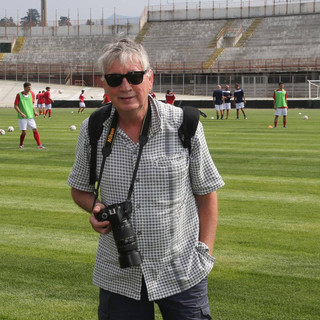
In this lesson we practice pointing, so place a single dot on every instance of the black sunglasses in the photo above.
(133, 77)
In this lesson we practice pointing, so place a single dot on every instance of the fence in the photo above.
(183, 81)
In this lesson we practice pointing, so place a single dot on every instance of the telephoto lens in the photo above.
(123, 233)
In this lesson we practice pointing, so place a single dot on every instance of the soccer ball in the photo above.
(212, 118)
(91, 97)
(2, 132)
(73, 128)
(299, 113)
(60, 91)
(10, 129)
(305, 117)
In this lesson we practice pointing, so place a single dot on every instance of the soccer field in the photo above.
(267, 246)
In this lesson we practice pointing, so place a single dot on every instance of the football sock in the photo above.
(37, 137)
(22, 136)
(284, 123)
(49, 112)
(275, 124)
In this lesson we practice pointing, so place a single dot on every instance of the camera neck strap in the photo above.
(106, 150)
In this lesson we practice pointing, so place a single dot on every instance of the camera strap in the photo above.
(106, 150)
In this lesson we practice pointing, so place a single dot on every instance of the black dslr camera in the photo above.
(123, 233)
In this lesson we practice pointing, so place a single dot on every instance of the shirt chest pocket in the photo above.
(168, 176)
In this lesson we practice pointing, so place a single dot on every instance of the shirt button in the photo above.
(139, 233)
(137, 180)
(138, 206)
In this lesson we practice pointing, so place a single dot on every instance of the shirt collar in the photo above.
(155, 117)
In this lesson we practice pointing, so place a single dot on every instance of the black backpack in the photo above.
(186, 131)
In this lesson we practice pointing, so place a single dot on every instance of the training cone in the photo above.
(270, 127)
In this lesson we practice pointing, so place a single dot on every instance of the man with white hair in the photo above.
(172, 209)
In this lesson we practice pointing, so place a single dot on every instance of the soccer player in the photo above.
(153, 95)
(24, 104)
(240, 100)
(48, 101)
(106, 99)
(82, 105)
(42, 102)
(38, 96)
(170, 97)
(218, 101)
(280, 104)
(227, 95)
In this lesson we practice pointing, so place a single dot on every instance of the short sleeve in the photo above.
(80, 173)
(204, 175)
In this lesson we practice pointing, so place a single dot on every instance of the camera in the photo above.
(123, 233)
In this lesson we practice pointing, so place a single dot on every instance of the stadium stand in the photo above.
(257, 51)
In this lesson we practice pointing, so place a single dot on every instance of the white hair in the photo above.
(124, 50)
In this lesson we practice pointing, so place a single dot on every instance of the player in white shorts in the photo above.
(280, 104)
(240, 100)
(48, 101)
(82, 105)
(24, 104)
(218, 102)
(227, 95)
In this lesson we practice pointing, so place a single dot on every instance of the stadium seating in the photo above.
(60, 50)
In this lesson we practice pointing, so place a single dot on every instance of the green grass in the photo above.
(267, 246)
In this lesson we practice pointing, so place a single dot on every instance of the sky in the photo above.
(131, 8)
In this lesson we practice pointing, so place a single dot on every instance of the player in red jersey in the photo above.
(106, 99)
(38, 96)
(42, 103)
(153, 95)
(170, 97)
(48, 101)
(82, 105)
(24, 104)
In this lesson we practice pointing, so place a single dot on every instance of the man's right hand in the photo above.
(100, 227)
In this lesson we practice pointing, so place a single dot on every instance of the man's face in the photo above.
(227, 88)
(27, 89)
(281, 86)
(129, 97)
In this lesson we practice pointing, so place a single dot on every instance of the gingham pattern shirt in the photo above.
(164, 210)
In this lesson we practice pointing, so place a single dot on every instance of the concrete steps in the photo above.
(19, 44)
(249, 32)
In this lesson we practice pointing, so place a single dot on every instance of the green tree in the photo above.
(8, 21)
(64, 21)
(88, 22)
(32, 17)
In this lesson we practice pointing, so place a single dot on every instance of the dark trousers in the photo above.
(191, 304)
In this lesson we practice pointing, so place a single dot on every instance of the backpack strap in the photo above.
(188, 126)
(95, 127)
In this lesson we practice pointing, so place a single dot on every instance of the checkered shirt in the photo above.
(164, 210)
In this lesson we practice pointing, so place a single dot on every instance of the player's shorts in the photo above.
(39, 105)
(82, 105)
(227, 106)
(48, 106)
(218, 107)
(240, 105)
(25, 124)
(43, 105)
(281, 112)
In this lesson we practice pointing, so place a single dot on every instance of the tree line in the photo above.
(32, 18)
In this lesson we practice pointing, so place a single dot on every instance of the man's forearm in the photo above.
(208, 217)
(83, 199)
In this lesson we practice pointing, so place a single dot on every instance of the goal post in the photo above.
(314, 89)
